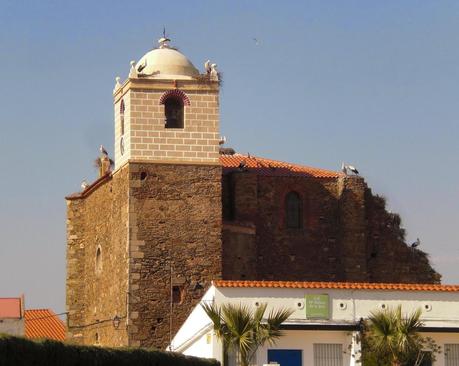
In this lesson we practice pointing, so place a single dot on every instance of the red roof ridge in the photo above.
(89, 189)
(338, 285)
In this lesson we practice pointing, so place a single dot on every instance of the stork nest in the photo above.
(98, 162)
(205, 79)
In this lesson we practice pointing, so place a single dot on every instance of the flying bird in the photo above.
(416, 243)
(207, 67)
(102, 150)
(257, 42)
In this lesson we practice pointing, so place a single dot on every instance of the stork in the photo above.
(213, 72)
(207, 67)
(141, 67)
(416, 243)
(353, 169)
(102, 150)
(84, 184)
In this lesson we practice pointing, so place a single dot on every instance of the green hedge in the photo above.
(16, 351)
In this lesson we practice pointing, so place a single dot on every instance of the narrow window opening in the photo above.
(122, 117)
(98, 260)
(293, 210)
(173, 110)
(143, 175)
(177, 294)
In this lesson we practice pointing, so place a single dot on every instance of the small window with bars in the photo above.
(326, 354)
(451, 354)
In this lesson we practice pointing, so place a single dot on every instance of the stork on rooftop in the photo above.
(84, 184)
(102, 150)
(346, 167)
(416, 243)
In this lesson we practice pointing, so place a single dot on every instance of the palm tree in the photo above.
(393, 337)
(243, 330)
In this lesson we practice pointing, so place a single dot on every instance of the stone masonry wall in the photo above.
(150, 140)
(97, 290)
(389, 258)
(344, 236)
(175, 233)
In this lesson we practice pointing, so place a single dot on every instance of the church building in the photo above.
(178, 210)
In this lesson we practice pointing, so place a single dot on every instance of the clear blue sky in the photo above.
(374, 83)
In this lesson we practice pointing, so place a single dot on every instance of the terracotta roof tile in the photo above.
(339, 285)
(43, 323)
(268, 167)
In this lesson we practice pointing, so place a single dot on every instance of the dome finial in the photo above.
(164, 40)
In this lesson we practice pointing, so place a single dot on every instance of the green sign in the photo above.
(317, 307)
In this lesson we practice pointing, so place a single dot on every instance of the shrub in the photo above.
(17, 351)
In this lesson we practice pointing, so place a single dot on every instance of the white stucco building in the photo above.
(323, 329)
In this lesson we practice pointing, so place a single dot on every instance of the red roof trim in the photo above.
(338, 285)
(91, 188)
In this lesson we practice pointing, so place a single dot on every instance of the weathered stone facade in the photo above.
(158, 227)
(346, 233)
(175, 239)
(97, 261)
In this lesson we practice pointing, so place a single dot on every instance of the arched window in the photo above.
(122, 117)
(173, 110)
(293, 210)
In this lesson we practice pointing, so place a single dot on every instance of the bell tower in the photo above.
(166, 111)
(166, 144)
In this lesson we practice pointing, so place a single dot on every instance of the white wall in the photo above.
(443, 306)
(13, 327)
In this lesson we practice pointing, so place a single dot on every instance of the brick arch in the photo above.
(177, 94)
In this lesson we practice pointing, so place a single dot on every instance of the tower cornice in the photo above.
(165, 84)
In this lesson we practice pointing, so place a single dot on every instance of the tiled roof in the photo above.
(43, 323)
(263, 166)
(339, 285)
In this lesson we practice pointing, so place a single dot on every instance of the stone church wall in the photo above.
(97, 290)
(175, 233)
(344, 234)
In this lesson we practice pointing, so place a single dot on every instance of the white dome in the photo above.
(166, 63)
